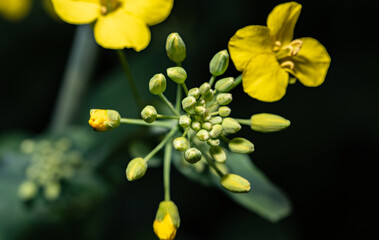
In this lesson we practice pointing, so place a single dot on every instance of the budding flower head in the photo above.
(225, 84)
(235, 183)
(157, 84)
(167, 220)
(192, 155)
(231, 125)
(266, 122)
(177, 74)
(241, 145)
(149, 114)
(219, 63)
(175, 48)
(184, 121)
(181, 143)
(104, 120)
(136, 169)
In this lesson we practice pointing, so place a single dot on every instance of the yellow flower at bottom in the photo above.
(119, 23)
(15, 10)
(104, 120)
(165, 229)
(267, 55)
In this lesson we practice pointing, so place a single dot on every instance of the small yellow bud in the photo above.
(181, 143)
(136, 169)
(266, 122)
(104, 120)
(209, 96)
(149, 114)
(177, 74)
(225, 84)
(175, 48)
(230, 125)
(235, 183)
(192, 155)
(218, 154)
(203, 135)
(224, 111)
(204, 88)
(194, 92)
(167, 220)
(184, 121)
(219, 63)
(224, 98)
(200, 110)
(157, 84)
(188, 103)
(241, 145)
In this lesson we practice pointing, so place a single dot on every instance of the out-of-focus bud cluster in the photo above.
(51, 162)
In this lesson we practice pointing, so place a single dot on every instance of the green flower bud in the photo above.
(104, 120)
(213, 142)
(218, 154)
(241, 145)
(167, 220)
(235, 183)
(52, 191)
(231, 125)
(266, 122)
(216, 120)
(207, 116)
(188, 103)
(207, 126)
(157, 84)
(219, 63)
(149, 114)
(200, 102)
(192, 155)
(209, 96)
(194, 92)
(204, 88)
(175, 48)
(177, 74)
(181, 143)
(196, 125)
(184, 121)
(27, 190)
(202, 135)
(136, 169)
(225, 84)
(200, 110)
(224, 111)
(216, 131)
(224, 98)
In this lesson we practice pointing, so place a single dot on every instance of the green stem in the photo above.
(244, 121)
(161, 144)
(129, 77)
(185, 132)
(169, 104)
(167, 117)
(166, 170)
(237, 81)
(142, 122)
(225, 139)
(185, 88)
(178, 97)
(212, 80)
(209, 160)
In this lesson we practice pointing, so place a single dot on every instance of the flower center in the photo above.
(284, 54)
(108, 6)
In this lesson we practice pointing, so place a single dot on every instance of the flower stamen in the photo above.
(287, 64)
(108, 6)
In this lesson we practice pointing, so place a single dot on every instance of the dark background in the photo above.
(326, 161)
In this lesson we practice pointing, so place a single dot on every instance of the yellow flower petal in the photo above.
(312, 63)
(165, 229)
(247, 42)
(14, 10)
(76, 11)
(150, 11)
(118, 30)
(282, 20)
(264, 79)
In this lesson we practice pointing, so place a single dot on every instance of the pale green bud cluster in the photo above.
(51, 161)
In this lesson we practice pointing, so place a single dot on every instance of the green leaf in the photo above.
(264, 198)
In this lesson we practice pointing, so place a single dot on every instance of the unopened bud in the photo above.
(175, 48)
(224, 98)
(149, 114)
(157, 84)
(241, 145)
(218, 154)
(166, 221)
(224, 111)
(204, 88)
(235, 183)
(181, 144)
(213, 142)
(177, 74)
(202, 135)
(216, 131)
(192, 155)
(196, 125)
(216, 120)
(230, 125)
(188, 103)
(266, 122)
(104, 120)
(207, 126)
(136, 169)
(194, 92)
(219, 63)
(209, 96)
(200, 110)
(225, 84)
(184, 121)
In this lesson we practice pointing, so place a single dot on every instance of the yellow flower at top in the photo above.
(15, 10)
(119, 23)
(267, 55)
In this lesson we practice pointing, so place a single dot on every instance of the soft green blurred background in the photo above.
(326, 161)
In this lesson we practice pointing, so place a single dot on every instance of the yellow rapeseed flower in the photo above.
(104, 120)
(267, 55)
(15, 10)
(119, 23)
(166, 221)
